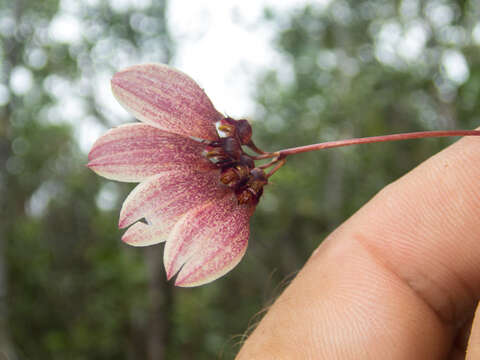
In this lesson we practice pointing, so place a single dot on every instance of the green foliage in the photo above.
(76, 292)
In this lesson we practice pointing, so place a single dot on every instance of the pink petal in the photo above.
(208, 241)
(163, 198)
(141, 234)
(166, 98)
(133, 152)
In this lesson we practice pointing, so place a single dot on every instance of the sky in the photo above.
(224, 45)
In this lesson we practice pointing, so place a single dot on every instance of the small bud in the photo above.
(229, 177)
(228, 127)
(258, 175)
(257, 181)
(215, 153)
(243, 172)
(232, 147)
(244, 131)
(236, 176)
(238, 128)
(228, 130)
(247, 161)
(251, 192)
(246, 197)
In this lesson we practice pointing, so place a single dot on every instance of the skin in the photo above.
(398, 280)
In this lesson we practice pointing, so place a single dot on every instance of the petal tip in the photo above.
(141, 235)
(166, 98)
(122, 223)
(182, 281)
(93, 166)
(130, 240)
(169, 266)
(180, 284)
(169, 273)
(125, 239)
(186, 281)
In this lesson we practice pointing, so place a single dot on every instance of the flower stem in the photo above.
(280, 161)
(367, 140)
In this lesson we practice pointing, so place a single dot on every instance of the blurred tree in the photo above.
(73, 290)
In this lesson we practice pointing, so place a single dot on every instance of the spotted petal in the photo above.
(167, 99)
(208, 242)
(163, 198)
(141, 234)
(133, 152)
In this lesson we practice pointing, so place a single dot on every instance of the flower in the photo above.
(196, 190)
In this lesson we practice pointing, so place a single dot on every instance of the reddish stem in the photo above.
(372, 139)
(280, 162)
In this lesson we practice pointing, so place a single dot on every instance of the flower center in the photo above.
(237, 168)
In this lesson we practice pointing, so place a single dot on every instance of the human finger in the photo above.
(396, 280)
(473, 348)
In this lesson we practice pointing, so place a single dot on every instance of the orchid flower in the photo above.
(197, 190)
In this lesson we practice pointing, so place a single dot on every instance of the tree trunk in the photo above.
(161, 305)
(6, 348)
(12, 50)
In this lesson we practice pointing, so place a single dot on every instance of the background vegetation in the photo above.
(69, 289)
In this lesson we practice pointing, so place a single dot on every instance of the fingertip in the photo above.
(473, 348)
